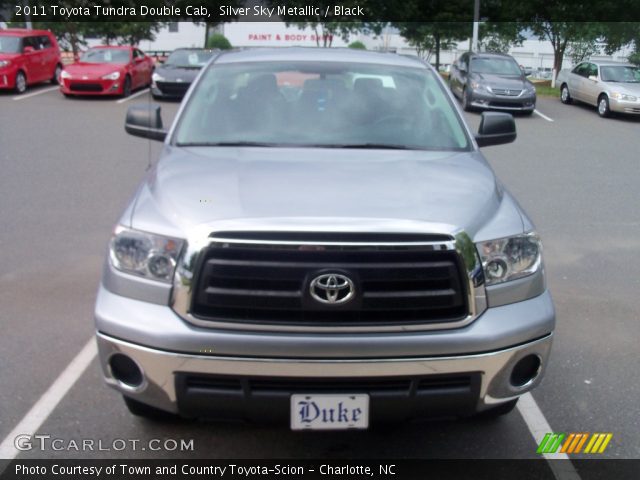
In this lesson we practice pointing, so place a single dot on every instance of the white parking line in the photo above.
(539, 427)
(543, 116)
(122, 100)
(49, 400)
(39, 92)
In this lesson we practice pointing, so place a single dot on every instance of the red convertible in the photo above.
(108, 70)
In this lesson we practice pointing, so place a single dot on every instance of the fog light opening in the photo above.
(526, 371)
(125, 370)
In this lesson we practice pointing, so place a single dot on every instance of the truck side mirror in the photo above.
(145, 121)
(496, 128)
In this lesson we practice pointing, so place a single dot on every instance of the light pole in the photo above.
(476, 25)
(27, 16)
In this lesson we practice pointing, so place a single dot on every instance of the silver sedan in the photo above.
(610, 86)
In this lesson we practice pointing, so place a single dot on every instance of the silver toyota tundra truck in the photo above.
(322, 244)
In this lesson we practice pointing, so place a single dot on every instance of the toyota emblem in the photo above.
(332, 289)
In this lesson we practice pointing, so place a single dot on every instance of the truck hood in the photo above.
(229, 188)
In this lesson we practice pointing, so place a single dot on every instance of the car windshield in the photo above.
(495, 66)
(188, 58)
(105, 55)
(321, 104)
(9, 44)
(625, 74)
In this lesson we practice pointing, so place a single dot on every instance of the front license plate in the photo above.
(329, 412)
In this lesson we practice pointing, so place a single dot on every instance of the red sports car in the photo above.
(109, 70)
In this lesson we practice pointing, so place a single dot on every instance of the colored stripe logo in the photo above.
(574, 443)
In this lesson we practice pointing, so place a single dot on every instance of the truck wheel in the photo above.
(143, 410)
(500, 410)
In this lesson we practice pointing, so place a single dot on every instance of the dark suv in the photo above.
(491, 81)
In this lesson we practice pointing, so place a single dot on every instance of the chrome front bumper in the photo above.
(158, 387)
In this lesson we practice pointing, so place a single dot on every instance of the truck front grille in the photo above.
(269, 283)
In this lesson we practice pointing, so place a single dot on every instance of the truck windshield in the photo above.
(321, 104)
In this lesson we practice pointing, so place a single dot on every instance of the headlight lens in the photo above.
(145, 254)
(510, 258)
(624, 96)
(4, 63)
(111, 76)
(65, 74)
(475, 85)
(530, 88)
(157, 78)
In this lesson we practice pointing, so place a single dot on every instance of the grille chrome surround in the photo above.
(193, 262)
(507, 92)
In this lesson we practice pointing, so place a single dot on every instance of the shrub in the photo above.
(217, 40)
(357, 45)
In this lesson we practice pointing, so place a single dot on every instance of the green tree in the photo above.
(499, 37)
(430, 38)
(217, 40)
(449, 22)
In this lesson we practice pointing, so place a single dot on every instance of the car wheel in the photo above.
(565, 96)
(603, 106)
(466, 101)
(21, 82)
(143, 410)
(499, 411)
(56, 75)
(126, 88)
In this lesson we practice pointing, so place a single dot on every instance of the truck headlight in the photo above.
(145, 254)
(5, 63)
(510, 258)
(111, 76)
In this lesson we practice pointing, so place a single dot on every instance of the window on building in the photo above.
(173, 27)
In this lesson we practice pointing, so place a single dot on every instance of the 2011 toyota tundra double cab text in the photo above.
(322, 244)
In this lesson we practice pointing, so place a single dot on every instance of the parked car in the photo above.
(609, 86)
(491, 81)
(28, 57)
(107, 70)
(173, 78)
(346, 249)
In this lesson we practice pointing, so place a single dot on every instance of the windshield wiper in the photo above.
(382, 146)
(227, 144)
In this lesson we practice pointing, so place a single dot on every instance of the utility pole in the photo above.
(29, 25)
(476, 25)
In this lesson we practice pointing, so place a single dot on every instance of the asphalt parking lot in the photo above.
(68, 169)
